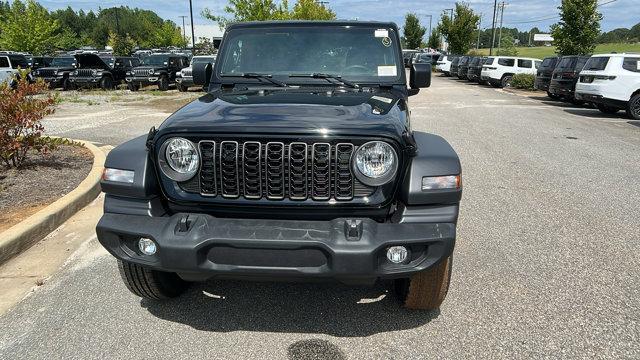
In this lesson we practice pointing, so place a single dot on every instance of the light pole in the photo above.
(184, 31)
(193, 33)
(479, 30)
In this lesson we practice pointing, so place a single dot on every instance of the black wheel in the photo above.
(163, 83)
(66, 85)
(425, 290)
(106, 83)
(506, 81)
(182, 88)
(133, 87)
(151, 284)
(633, 107)
(607, 109)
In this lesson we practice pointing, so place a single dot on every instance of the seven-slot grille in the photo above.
(84, 72)
(141, 72)
(47, 72)
(277, 170)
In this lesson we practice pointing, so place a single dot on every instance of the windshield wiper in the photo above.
(257, 76)
(337, 79)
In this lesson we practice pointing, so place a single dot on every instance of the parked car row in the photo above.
(494, 70)
(611, 82)
(105, 71)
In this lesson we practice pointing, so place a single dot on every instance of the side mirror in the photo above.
(201, 73)
(420, 75)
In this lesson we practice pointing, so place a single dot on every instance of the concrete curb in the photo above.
(31, 230)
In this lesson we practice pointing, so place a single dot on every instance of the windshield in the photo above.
(201, 60)
(108, 60)
(549, 62)
(357, 53)
(567, 62)
(63, 62)
(155, 60)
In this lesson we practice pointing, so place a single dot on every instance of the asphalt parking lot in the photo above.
(546, 261)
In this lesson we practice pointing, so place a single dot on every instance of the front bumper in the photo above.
(144, 81)
(85, 81)
(201, 246)
(186, 81)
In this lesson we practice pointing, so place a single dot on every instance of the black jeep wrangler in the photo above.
(299, 163)
(57, 73)
(160, 69)
(105, 72)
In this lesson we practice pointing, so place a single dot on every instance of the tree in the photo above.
(413, 32)
(29, 27)
(262, 10)
(311, 10)
(578, 29)
(204, 46)
(249, 10)
(460, 32)
(507, 46)
(434, 39)
(122, 45)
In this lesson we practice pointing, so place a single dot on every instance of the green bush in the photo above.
(523, 81)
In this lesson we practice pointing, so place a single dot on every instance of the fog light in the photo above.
(147, 246)
(397, 254)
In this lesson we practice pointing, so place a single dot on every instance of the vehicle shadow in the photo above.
(332, 309)
(595, 113)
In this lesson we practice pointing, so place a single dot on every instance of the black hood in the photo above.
(91, 61)
(313, 112)
(58, 68)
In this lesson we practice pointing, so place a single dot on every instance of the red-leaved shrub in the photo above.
(22, 107)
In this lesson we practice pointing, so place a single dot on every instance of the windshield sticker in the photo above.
(382, 98)
(387, 70)
(386, 41)
(381, 33)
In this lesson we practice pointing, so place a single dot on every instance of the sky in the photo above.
(523, 14)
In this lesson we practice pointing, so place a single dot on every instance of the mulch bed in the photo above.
(40, 181)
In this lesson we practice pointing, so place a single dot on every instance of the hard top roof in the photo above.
(309, 23)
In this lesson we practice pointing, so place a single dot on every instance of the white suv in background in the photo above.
(499, 70)
(6, 70)
(444, 64)
(612, 82)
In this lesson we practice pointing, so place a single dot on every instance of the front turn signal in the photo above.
(448, 182)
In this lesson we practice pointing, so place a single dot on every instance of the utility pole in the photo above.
(479, 30)
(501, 18)
(193, 33)
(184, 31)
(493, 27)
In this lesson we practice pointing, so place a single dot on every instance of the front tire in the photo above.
(66, 85)
(427, 289)
(133, 87)
(151, 284)
(182, 88)
(633, 107)
(163, 83)
(106, 83)
(553, 96)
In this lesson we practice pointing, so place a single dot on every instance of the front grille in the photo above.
(276, 170)
(141, 72)
(84, 72)
(47, 72)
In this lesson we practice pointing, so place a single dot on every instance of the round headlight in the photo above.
(375, 163)
(151, 71)
(179, 159)
(94, 72)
